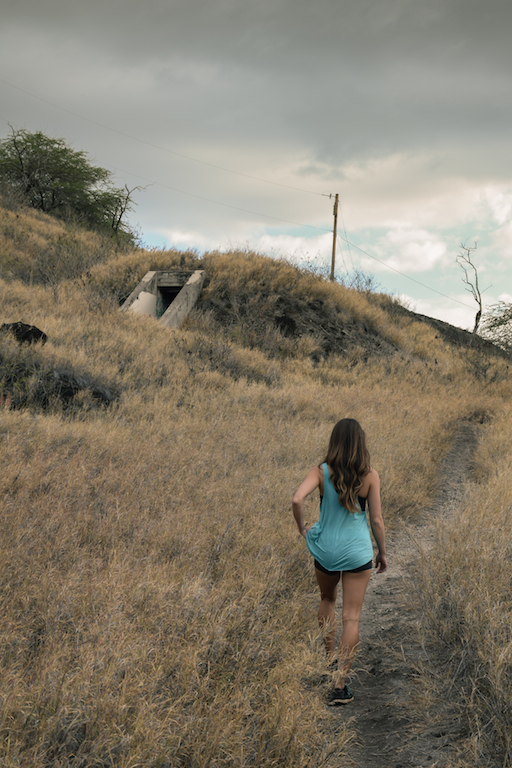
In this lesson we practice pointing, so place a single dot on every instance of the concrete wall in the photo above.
(146, 285)
(146, 299)
(144, 304)
(184, 301)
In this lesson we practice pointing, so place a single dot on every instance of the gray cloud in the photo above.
(344, 78)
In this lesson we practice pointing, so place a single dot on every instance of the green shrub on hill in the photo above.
(52, 177)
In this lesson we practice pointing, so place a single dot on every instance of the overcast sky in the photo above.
(239, 117)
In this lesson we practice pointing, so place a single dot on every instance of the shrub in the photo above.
(52, 177)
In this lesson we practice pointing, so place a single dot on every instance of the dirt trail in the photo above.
(382, 714)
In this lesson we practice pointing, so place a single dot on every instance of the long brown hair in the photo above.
(348, 461)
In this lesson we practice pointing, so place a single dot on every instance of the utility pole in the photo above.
(335, 212)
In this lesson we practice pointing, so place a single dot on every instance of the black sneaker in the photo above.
(339, 696)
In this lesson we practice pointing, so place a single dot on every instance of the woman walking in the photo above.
(340, 541)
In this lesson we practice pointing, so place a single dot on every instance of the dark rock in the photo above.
(24, 333)
(287, 325)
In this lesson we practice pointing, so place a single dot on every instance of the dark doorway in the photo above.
(165, 297)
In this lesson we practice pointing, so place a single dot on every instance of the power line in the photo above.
(343, 255)
(157, 146)
(423, 285)
(345, 231)
(224, 205)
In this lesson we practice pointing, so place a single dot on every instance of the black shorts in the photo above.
(366, 567)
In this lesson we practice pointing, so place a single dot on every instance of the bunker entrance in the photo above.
(165, 297)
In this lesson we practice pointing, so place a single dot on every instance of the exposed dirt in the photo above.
(258, 306)
(391, 731)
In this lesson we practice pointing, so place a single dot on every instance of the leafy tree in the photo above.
(497, 325)
(53, 177)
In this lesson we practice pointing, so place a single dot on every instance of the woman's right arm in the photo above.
(311, 482)
(377, 522)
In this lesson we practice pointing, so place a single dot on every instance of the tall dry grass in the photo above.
(467, 585)
(41, 250)
(274, 306)
(158, 607)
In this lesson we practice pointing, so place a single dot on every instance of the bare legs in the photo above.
(328, 584)
(354, 588)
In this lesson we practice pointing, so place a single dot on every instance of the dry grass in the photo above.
(157, 606)
(39, 249)
(272, 305)
(467, 590)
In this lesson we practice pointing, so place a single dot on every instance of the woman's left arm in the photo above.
(376, 521)
(311, 481)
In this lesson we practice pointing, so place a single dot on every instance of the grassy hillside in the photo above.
(158, 607)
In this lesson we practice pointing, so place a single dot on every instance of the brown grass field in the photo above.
(157, 606)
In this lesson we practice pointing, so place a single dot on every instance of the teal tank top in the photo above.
(340, 540)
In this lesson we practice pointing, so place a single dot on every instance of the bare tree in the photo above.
(470, 279)
(121, 203)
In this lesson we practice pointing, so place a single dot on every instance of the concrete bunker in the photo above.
(166, 296)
